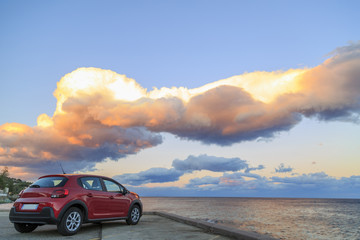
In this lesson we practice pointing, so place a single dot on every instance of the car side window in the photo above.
(91, 183)
(113, 187)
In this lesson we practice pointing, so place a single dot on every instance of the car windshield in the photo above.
(48, 182)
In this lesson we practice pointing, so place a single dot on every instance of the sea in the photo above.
(281, 218)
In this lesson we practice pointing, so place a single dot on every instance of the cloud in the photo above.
(207, 180)
(307, 179)
(242, 182)
(258, 189)
(249, 169)
(313, 185)
(152, 175)
(102, 114)
(181, 167)
(283, 169)
(40, 149)
(241, 175)
(249, 106)
(230, 181)
(211, 163)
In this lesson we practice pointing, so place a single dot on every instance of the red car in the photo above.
(69, 200)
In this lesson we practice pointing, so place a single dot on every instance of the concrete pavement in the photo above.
(152, 225)
(8, 232)
(149, 227)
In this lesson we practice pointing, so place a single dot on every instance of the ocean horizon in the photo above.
(325, 198)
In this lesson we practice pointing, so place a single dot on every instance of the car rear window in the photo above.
(49, 182)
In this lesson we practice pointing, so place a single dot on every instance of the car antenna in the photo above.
(62, 168)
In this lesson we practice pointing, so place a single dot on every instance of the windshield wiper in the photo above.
(35, 186)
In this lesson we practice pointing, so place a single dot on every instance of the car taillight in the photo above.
(22, 191)
(60, 193)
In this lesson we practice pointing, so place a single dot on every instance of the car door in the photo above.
(95, 197)
(118, 203)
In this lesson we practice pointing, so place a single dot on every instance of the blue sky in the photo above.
(183, 44)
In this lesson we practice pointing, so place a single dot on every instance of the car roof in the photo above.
(73, 175)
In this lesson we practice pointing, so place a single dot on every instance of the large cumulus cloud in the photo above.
(101, 114)
(245, 107)
(39, 150)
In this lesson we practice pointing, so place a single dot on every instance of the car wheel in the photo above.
(25, 227)
(71, 222)
(134, 216)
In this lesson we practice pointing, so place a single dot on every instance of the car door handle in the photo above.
(89, 195)
(111, 197)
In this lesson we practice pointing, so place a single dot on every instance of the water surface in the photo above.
(281, 218)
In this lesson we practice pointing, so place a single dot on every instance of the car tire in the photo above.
(25, 227)
(134, 215)
(71, 222)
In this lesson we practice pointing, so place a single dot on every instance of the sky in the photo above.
(184, 98)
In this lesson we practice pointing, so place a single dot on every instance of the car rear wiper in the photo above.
(34, 186)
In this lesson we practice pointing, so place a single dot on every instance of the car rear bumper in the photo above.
(46, 216)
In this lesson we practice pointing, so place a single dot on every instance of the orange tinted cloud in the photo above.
(102, 114)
